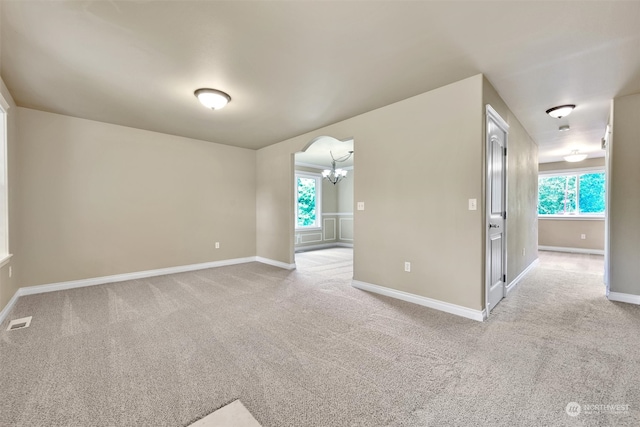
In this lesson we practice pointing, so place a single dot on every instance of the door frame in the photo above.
(491, 113)
(293, 229)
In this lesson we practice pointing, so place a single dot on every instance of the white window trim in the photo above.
(584, 217)
(4, 246)
(318, 177)
(577, 172)
(5, 260)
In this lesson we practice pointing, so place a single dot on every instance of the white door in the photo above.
(497, 130)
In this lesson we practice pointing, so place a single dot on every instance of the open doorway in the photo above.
(323, 195)
(572, 215)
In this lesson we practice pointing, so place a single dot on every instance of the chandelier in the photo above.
(334, 175)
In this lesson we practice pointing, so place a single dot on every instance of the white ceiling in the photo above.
(319, 153)
(292, 67)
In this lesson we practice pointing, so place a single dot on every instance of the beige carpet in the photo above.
(336, 263)
(303, 349)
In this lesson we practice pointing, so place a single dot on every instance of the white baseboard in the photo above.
(323, 246)
(511, 286)
(344, 245)
(571, 250)
(7, 308)
(275, 263)
(458, 310)
(620, 297)
(315, 247)
(61, 286)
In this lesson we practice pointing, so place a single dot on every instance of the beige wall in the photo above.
(624, 213)
(565, 233)
(98, 199)
(522, 189)
(345, 205)
(9, 285)
(345, 193)
(430, 150)
(436, 143)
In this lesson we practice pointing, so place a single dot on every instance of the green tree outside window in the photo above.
(306, 202)
(571, 194)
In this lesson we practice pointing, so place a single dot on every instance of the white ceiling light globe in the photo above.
(212, 98)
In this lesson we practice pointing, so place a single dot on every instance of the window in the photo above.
(575, 194)
(308, 190)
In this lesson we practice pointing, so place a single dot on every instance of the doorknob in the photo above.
(494, 226)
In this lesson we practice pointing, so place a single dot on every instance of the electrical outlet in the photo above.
(473, 204)
(360, 206)
(407, 266)
(583, 236)
(217, 245)
(10, 271)
(524, 251)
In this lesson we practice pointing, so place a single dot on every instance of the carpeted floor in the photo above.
(336, 263)
(305, 349)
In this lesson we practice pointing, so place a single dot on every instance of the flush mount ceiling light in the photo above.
(564, 128)
(575, 156)
(212, 98)
(561, 111)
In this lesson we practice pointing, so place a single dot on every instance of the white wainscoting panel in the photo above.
(348, 233)
(311, 238)
(329, 230)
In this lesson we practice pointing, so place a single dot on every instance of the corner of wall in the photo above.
(522, 187)
(624, 194)
(9, 283)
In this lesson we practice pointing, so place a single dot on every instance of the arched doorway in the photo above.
(323, 201)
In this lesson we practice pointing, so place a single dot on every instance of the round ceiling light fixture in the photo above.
(561, 111)
(212, 98)
(575, 156)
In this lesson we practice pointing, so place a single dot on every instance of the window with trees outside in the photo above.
(571, 194)
(308, 198)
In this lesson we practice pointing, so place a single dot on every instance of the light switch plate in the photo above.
(473, 204)
(360, 206)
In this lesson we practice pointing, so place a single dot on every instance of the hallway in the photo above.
(583, 263)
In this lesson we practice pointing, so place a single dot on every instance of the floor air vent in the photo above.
(19, 323)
